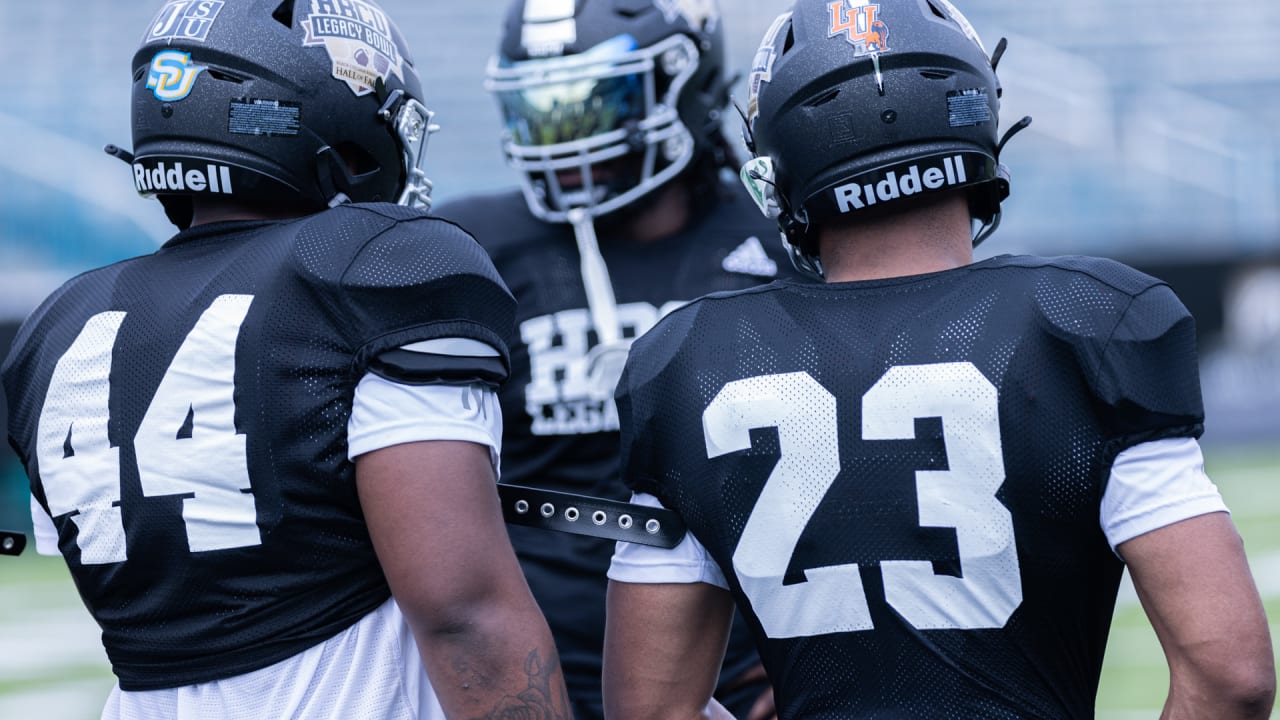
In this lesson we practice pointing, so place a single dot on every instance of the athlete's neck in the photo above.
(667, 211)
(926, 239)
(206, 210)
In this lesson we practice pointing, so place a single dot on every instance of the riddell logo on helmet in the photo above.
(176, 178)
(856, 196)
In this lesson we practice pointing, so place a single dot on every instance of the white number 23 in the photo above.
(832, 599)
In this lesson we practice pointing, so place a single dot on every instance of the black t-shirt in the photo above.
(901, 478)
(183, 417)
(560, 422)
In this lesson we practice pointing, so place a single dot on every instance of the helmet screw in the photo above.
(889, 116)
(166, 110)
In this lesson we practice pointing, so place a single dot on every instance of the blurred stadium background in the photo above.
(1155, 142)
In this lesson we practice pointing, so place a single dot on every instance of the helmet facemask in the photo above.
(596, 130)
(410, 121)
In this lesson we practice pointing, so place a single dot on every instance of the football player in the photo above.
(613, 115)
(922, 480)
(267, 451)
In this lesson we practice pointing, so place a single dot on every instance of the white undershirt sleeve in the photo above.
(687, 562)
(46, 535)
(387, 413)
(1155, 484)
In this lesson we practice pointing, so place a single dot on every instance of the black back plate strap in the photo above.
(549, 510)
(12, 543)
(585, 515)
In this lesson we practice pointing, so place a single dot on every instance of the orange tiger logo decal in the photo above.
(859, 22)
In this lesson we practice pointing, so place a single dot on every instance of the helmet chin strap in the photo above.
(595, 279)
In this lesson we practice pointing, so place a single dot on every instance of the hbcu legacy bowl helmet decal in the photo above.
(762, 65)
(358, 38)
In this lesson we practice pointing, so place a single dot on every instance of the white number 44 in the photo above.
(186, 444)
(832, 599)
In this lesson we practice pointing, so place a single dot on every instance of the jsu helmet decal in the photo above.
(172, 75)
(858, 21)
(358, 37)
(184, 20)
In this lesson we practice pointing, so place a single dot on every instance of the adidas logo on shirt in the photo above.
(749, 258)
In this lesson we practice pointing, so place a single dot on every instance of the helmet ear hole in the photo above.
(357, 159)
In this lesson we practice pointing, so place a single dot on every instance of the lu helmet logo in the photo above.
(856, 20)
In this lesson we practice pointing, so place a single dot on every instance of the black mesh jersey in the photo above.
(560, 422)
(901, 478)
(183, 416)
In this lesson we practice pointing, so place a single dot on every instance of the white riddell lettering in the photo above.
(853, 196)
(175, 178)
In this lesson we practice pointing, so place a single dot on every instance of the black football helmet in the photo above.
(301, 102)
(855, 106)
(605, 100)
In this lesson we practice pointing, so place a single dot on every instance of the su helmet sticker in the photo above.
(172, 75)
(184, 20)
(358, 37)
(859, 22)
(762, 65)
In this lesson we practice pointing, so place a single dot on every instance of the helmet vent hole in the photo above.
(935, 74)
(824, 98)
(790, 40)
(284, 14)
(938, 12)
(219, 75)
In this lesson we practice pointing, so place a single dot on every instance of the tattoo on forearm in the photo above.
(538, 701)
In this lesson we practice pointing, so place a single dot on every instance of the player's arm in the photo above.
(433, 513)
(1167, 521)
(763, 708)
(668, 615)
(1196, 587)
(663, 647)
(424, 433)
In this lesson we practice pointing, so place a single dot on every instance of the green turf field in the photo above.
(52, 667)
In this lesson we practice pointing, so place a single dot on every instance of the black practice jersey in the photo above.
(901, 478)
(560, 422)
(183, 418)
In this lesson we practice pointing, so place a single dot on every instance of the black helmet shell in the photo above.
(862, 104)
(269, 100)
